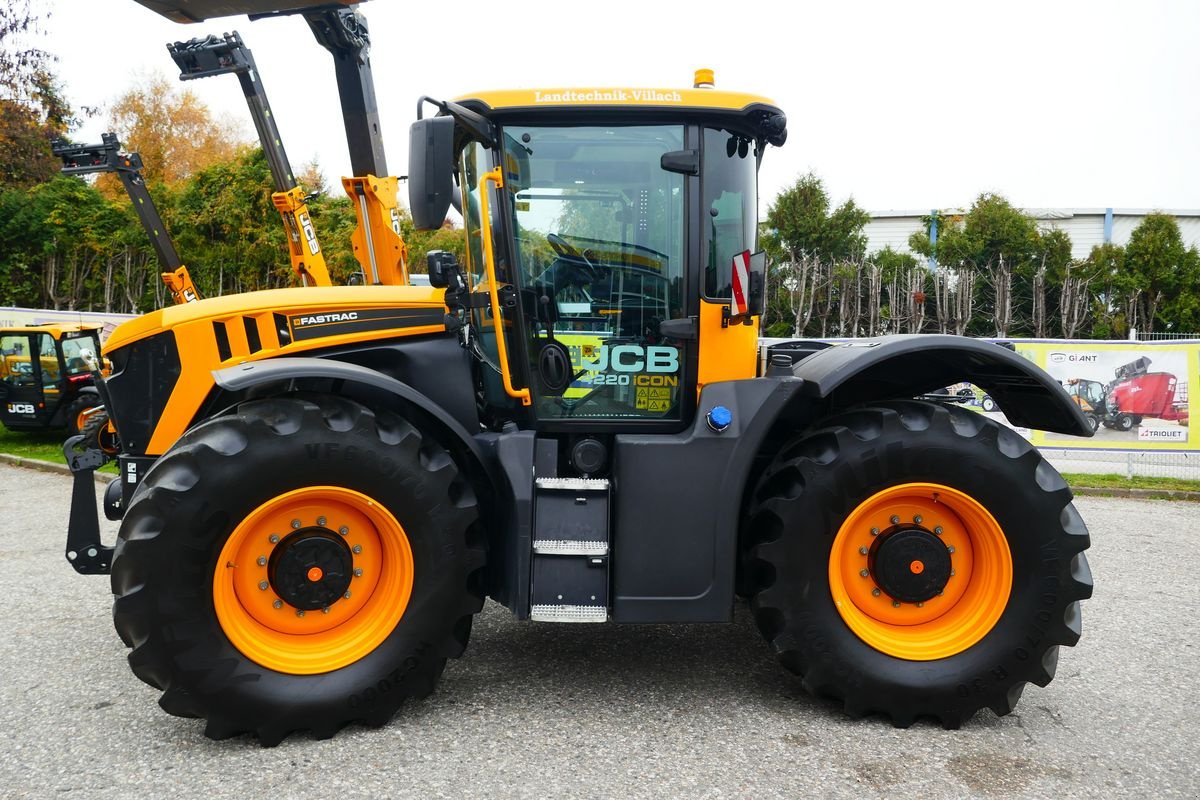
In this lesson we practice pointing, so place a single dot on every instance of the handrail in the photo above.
(489, 260)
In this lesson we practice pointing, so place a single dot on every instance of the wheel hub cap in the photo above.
(910, 564)
(311, 568)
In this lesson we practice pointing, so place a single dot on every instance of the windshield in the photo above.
(599, 234)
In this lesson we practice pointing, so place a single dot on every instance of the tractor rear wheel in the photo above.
(300, 564)
(916, 560)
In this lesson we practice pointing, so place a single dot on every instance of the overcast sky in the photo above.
(903, 105)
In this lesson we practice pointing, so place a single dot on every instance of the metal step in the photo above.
(567, 547)
(564, 613)
(573, 484)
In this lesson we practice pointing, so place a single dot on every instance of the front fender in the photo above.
(894, 367)
(283, 371)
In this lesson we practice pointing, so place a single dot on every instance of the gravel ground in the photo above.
(610, 711)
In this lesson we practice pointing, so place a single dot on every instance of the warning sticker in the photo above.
(653, 399)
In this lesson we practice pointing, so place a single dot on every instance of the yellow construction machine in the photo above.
(319, 487)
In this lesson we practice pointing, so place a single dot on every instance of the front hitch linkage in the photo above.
(84, 550)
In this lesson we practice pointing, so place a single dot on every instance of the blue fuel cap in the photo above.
(719, 418)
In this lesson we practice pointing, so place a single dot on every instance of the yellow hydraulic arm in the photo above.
(378, 243)
(217, 55)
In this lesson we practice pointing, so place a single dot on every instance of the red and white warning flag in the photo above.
(741, 284)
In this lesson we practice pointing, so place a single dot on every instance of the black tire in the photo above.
(1124, 422)
(1092, 420)
(193, 499)
(820, 477)
(79, 405)
(96, 434)
(988, 403)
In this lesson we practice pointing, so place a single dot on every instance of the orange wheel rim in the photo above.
(248, 593)
(969, 603)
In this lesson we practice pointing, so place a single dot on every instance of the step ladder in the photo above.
(570, 550)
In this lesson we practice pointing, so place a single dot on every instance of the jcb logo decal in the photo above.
(21, 408)
(634, 358)
(309, 234)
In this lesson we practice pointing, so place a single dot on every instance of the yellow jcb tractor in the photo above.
(46, 376)
(319, 487)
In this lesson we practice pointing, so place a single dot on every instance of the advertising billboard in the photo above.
(1134, 394)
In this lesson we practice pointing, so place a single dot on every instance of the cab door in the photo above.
(22, 402)
(729, 232)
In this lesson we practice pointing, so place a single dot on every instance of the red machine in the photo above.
(1146, 394)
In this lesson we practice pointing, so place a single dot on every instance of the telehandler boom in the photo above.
(79, 159)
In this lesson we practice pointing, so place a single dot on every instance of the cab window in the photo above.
(599, 232)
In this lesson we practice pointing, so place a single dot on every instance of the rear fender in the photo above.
(896, 367)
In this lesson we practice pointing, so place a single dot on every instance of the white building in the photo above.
(1086, 226)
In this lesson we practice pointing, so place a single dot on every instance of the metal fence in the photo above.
(1156, 464)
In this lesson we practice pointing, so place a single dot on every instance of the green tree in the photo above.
(993, 244)
(1106, 263)
(801, 220)
(1160, 275)
(812, 250)
(32, 108)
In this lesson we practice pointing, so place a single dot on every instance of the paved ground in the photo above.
(607, 711)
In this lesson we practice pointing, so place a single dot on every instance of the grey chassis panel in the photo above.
(893, 367)
(678, 504)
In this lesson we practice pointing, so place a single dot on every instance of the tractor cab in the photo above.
(620, 227)
(46, 375)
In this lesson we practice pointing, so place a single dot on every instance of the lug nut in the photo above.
(951, 573)
(875, 592)
(263, 585)
(938, 530)
(262, 561)
(325, 610)
(950, 549)
(864, 572)
(358, 572)
(918, 519)
(343, 530)
(920, 605)
(295, 523)
(874, 531)
(895, 519)
(274, 538)
(299, 612)
(357, 548)
(862, 551)
(321, 521)
(895, 604)
(278, 604)
(347, 594)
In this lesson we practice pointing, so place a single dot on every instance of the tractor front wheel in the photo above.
(300, 564)
(916, 560)
(80, 411)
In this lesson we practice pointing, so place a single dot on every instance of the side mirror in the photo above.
(443, 268)
(758, 283)
(430, 171)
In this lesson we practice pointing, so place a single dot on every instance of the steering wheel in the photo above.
(562, 246)
(565, 250)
